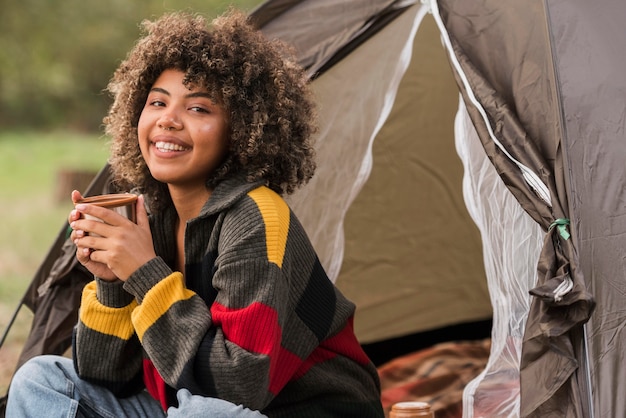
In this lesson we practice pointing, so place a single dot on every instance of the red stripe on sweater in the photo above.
(256, 329)
(346, 344)
(154, 383)
(279, 376)
(319, 355)
(343, 343)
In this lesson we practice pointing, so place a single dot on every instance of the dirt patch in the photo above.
(9, 354)
(12, 347)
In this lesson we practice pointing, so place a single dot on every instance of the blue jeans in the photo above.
(47, 386)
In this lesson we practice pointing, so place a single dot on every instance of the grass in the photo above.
(33, 214)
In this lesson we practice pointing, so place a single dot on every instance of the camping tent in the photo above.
(476, 172)
(543, 107)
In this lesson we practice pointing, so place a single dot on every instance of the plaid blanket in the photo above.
(436, 375)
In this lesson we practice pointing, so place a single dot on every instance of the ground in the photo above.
(8, 358)
(10, 350)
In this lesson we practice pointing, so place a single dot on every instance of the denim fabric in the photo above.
(194, 406)
(48, 386)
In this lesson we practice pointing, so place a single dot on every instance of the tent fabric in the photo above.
(514, 106)
(326, 29)
(409, 224)
(589, 58)
(55, 317)
(351, 114)
(512, 242)
(503, 60)
(352, 118)
(522, 165)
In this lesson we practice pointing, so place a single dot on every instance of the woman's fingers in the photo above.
(76, 196)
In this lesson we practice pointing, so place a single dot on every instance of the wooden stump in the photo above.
(68, 180)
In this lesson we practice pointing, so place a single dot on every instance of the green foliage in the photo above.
(56, 57)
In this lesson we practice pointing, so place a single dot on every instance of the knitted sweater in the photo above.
(255, 320)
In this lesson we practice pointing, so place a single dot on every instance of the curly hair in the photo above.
(263, 91)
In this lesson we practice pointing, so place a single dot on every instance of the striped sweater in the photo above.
(255, 320)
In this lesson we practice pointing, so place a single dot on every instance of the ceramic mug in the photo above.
(122, 203)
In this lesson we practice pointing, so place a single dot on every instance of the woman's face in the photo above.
(183, 133)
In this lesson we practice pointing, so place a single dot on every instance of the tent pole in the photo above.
(587, 372)
(11, 321)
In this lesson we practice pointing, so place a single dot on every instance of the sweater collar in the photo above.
(226, 194)
(223, 196)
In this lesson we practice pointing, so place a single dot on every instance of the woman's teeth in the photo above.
(168, 146)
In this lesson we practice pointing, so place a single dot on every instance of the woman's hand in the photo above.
(114, 248)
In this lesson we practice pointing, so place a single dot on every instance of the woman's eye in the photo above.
(199, 109)
(157, 103)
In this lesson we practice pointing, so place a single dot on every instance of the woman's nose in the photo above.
(168, 121)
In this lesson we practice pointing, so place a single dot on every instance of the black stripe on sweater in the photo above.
(310, 308)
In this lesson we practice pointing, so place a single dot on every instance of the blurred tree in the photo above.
(56, 57)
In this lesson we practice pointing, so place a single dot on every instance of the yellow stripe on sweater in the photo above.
(158, 301)
(275, 213)
(109, 321)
